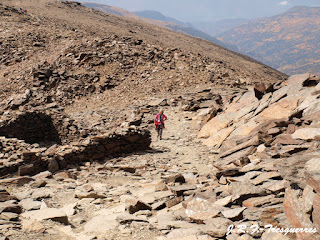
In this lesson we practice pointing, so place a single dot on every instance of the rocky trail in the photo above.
(190, 185)
(97, 189)
(181, 188)
(181, 145)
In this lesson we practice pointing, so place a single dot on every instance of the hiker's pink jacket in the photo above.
(159, 120)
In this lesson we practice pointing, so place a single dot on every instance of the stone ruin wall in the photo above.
(32, 142)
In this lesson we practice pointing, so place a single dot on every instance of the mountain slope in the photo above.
(159, 19)
(70, 53)
(288, 42)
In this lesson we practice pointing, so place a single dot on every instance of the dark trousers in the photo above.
(159, 130)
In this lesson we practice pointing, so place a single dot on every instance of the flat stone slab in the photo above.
(313, 180)
(33, 226)
(313, 165)
(53, 214)
(243, 189)
(172, 202)
(152, 197)
(200, 209)
(275, 186)
(9, 216)
(224, 201)
(124, 218)
(233, 213)
(265, 176)
(19, 181)
(306, 133)
(217, 227)
(261, 201)
(10, 206)
(101, 224)
(178, 190)
(5, 196)
(29, 204)
(95, 195)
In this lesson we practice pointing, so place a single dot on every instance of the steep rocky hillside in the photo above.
(159, 19)
(289, 42)
(102, 51)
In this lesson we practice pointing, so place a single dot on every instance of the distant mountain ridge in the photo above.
(289, 42)
(214, 28)
(159, 19)
(108, 9)
(155, 15)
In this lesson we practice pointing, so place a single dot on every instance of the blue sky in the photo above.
(205, 10)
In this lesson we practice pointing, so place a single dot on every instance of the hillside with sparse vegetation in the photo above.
(288, 42)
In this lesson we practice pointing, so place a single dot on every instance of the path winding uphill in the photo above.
(98, 196)
(181, 144)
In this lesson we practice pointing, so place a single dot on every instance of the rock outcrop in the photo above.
(280, 123)
(277, 134)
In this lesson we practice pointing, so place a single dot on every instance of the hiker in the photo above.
(159, 123)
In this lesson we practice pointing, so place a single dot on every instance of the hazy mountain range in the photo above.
(159, 19)
(214, 28)
(155, 15)
(288, 42)
(210, 10)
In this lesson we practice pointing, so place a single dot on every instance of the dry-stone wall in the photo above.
(33, 141)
